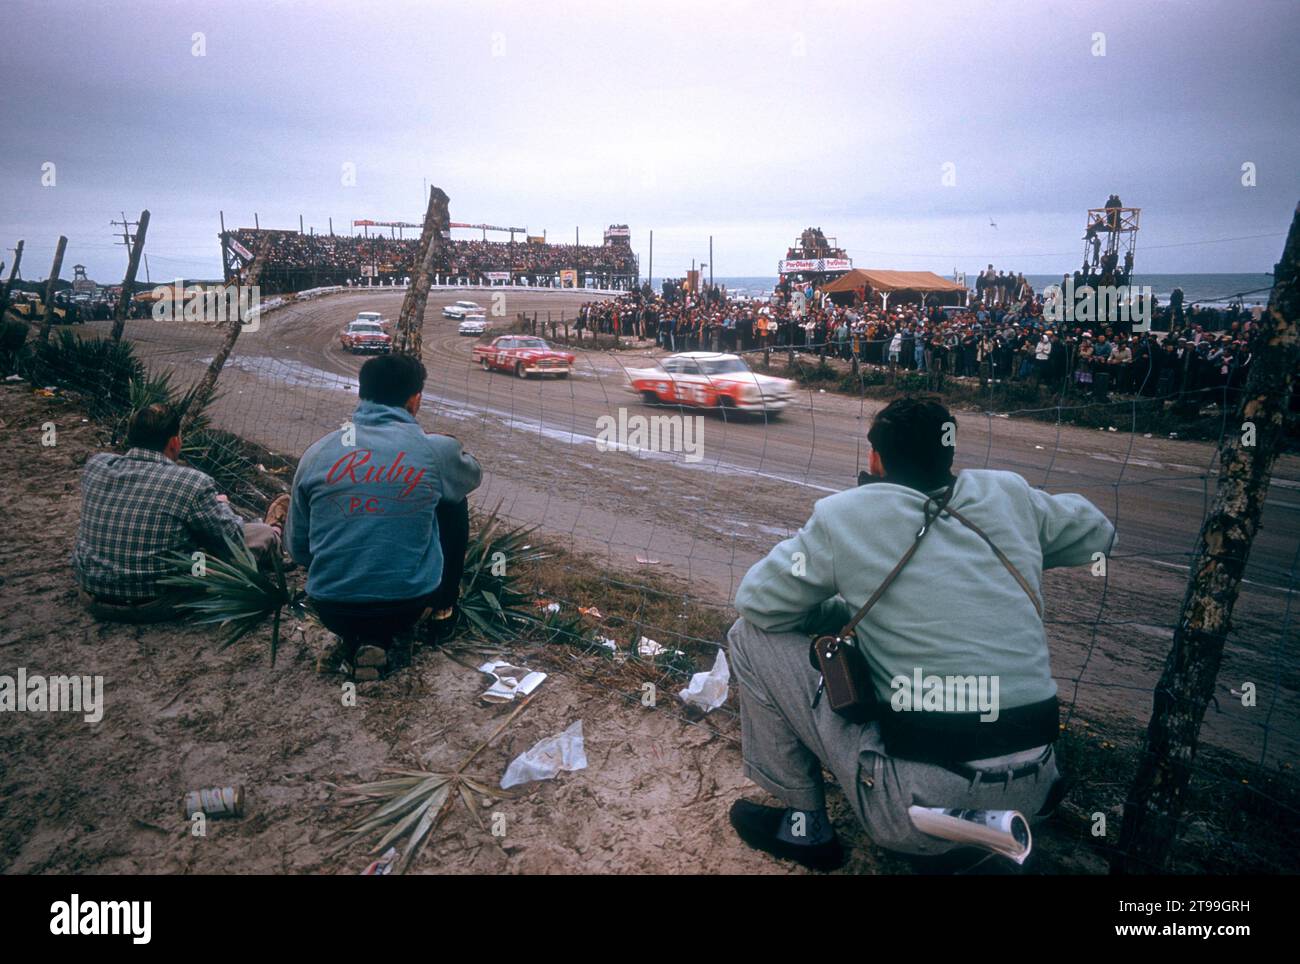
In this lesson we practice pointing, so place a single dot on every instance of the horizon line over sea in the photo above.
(1205, 288)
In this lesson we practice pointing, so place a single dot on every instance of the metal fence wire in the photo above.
(672, 533)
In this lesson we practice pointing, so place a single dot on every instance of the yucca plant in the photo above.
(100, 369)
(14, 351)
(491, 600)
(233, 592)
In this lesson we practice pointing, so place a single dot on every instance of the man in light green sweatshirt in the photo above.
(966, 709)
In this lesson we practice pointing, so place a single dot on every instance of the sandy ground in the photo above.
(180, 715)
(106, 798)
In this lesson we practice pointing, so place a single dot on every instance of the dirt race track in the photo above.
(706, 522)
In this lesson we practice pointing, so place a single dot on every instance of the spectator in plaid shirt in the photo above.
(139, 507)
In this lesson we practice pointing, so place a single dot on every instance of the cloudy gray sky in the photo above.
(747, 121)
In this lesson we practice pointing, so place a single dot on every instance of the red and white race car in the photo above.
(705, 379)
(524, 355)
(366, 336)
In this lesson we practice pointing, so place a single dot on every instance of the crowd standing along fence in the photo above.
(662, 533)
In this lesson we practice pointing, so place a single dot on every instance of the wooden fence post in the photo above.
(1247, 451)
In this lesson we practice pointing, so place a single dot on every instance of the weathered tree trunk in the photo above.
(410, 323)
(128, 283)
(1156, 800)
(202, 392)
(50, 282)
(9, 285)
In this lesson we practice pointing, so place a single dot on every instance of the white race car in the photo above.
(705, 379)
(475, 325)
(459, 310)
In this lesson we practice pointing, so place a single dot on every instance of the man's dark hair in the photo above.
(153, 427)
(909, 433)
(392, 379)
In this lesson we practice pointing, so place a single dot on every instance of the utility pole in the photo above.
(652, 260)
(1157, 799)
(300, 224)
(49, 288)
(710, 261)
(9, 285)
(132, 267)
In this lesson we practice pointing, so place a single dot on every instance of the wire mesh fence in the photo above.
(657, 538)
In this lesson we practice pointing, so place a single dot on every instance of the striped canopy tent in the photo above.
(909, 285)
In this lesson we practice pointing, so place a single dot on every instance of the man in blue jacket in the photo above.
(379, 517)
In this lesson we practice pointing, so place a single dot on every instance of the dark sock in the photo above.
(805, 827)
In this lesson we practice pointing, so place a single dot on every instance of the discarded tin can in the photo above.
(215, 802)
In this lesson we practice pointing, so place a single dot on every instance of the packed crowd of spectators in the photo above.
(337, 259)
(1197, 349)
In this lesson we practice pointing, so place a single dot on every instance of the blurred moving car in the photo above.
(705, 379)
(361, 337)
(464, 309)
(524, 355)
(472, 326)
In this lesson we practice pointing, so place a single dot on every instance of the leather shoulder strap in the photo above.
(933, 509)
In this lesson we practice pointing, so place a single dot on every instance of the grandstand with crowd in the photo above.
(297, 261)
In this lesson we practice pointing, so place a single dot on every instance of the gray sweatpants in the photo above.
(785, 744)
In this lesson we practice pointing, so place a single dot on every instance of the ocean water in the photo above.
(1205, 289)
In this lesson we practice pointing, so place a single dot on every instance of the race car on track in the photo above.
(524, 355)
(704, 379)
(459, 310)
(373, 316)
(472, 326)
(366, 336)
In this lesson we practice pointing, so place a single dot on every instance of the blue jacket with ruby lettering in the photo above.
(361, 515)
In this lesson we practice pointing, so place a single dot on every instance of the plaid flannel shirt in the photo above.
(135, 509)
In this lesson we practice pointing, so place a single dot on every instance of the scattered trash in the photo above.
(708, 690)
(648, 647)
(385, 865)
(607, 643)
(1038, 446)
(647, 561)
(215, 802)
(546, 758)
(1173, 435)
(511, 681)
(1147, 435)
(1112, 429)
(546, 604)
(591, 611)
(14, 378)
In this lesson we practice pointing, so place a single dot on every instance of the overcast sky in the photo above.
(747, 121)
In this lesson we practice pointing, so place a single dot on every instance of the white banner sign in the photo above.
(815, 265)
